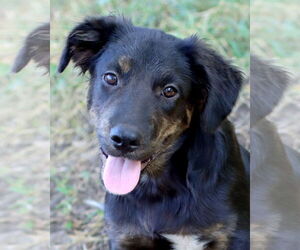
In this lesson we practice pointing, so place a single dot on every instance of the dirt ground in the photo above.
(24, 163)
(24, 135)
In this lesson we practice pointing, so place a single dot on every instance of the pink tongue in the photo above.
(121, 175)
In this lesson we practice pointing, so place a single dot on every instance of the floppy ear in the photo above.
(88, 38)
(36, 46)
(220, 81)
(268, 83)
(21, 60)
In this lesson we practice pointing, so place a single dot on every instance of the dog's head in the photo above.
(147, 88)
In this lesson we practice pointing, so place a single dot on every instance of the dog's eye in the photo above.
(110, 78)
(169, 91)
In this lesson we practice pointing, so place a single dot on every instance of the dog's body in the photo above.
(178, 204)
(174, 169)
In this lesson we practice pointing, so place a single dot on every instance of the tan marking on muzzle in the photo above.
(170, 128)
(169, 131)
(125, 63)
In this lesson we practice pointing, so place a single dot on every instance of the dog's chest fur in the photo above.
(185, 242)
(177, 226)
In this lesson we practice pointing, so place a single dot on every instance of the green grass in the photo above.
(275, 32)
(224, 24)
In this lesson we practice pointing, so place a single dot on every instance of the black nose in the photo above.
(125, 138)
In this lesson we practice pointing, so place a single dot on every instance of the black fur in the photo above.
(198, 183)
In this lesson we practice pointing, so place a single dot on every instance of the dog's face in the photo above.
(145, 88)
(139, 95)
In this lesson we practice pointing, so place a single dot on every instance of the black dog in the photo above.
(174, 172)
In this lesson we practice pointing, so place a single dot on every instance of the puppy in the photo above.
(173, 169)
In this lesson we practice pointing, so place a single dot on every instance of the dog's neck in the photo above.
(194, 155)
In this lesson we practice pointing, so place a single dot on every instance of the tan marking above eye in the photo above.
(125, 63)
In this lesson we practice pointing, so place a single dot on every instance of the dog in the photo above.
(173, 169)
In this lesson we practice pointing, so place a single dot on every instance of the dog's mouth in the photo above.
(144, 162)
(121, 175)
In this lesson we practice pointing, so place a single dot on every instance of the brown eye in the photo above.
(169, 92)
(110, 78)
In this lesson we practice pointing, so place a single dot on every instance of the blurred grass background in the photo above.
(76, 192)
(275, 31)
(274, 36)
(24, 133)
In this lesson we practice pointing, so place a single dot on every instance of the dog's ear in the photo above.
(268, 83)
(88, 38)
(21, 60)
(36, 47)
(216, 78)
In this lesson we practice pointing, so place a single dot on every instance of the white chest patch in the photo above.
(185, 242)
